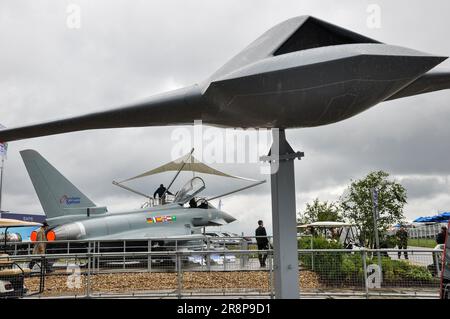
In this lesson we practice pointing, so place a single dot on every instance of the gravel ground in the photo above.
(140, 282)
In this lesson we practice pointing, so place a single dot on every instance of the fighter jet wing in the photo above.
(434, 80)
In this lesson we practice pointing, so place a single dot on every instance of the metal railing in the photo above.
(180, 274)
(133, 245)
(426, 231)
(152, 201)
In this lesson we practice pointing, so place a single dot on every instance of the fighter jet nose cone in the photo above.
(228, 218)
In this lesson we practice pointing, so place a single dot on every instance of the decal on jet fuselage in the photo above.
(161, 219)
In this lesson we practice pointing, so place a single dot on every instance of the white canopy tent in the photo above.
(186, 163)
(326, 225)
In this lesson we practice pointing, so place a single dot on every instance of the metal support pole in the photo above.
(1, 182)
(365, 273)
(284, 219)
(149, 257)
(270, 257)
(179, 275)
(244, 257)
(88, 280)
(437, 264)
(98, 258)
(375, 226)
(224, 261)
(124, 250)
(90, 249)
(178, 172)
(42, 279)
(208, 259)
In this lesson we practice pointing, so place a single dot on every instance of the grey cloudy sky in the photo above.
(128, 50)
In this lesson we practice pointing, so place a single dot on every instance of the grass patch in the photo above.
(422, 242)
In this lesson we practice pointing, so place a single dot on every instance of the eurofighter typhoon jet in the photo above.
(71, 215)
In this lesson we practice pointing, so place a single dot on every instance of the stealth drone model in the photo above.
(303, 72)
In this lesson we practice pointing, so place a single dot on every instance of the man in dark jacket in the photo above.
(402, 241)
(440, 238)
(161, 192)
(262, 242)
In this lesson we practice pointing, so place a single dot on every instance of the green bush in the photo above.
(403, 271)
(318, 243)
(346, 267)
(327, 265)
(353, 267)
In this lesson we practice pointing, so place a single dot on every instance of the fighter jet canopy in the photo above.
(189, 190)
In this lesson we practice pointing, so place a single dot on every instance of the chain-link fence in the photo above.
(226, 270)
(158, 274)
(372, 273)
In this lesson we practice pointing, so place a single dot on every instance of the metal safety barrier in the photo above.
(337, 273)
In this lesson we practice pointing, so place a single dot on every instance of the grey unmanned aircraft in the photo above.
(303, 72)
(71, 215)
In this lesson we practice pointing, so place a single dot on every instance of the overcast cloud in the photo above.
(129, 50)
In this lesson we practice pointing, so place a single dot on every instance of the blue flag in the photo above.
(3, 149)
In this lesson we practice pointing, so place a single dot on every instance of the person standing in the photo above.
(40, 246)
(262, 242)
(161, 192)
(402, 241)
(440, 238)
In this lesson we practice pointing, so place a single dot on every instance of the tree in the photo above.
(319, 212)
(357, 204)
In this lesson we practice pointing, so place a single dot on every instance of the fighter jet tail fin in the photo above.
(58, 196)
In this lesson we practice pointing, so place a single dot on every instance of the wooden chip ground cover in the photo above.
(150, 281)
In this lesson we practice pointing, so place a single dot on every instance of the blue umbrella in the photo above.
(424, 219)
(436, 218)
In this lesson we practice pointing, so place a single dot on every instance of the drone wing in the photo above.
(173, 108)
(434, 80)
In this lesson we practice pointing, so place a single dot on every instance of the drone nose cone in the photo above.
(404, 61)
(428, 62)
(441, 59)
